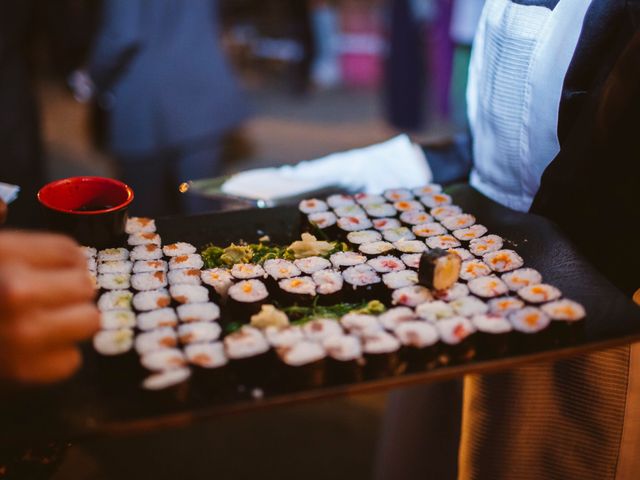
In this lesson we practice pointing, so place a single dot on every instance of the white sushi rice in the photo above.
(347, 259)
(151, 300)
(411, 260)
(113, 254)
(505, 305)
(115, 266)
(400, 279)
(206, 355)
(320, 328)
(360, 324)
(302, 353)
(410, 246)
(539, 293)
(415, 218)
(323, 219)
(146, 266)
(382, 224)
(397, 194)
(115, 300)
(184, 276)
(155, 340)
(343, 348)
(397, 234)
(166, 379)
(146, 252)
(522, 277)
(218, 278)
(417, 334)
(529, 320)
(408, 206)
(443, 241)
(427, 190)
(340, 200)
(432, 200)
(434, 311)
(395, 316)
(503, 260)
(244, 343)
(162, 360)
(114, 281)
(347, 211)
(471, 233)
(454, 292)
(298, 286)
(469, 306)
(311, 265)
(491, 323)
(483, 245)
(456, 222)
(278, 269)
(198, 332)
(411, 296)
(327, 281)
(283, 337)
(386, 264)
(140, 224)
(246, 271)
(360, 276)
(471, 269)
(368, 198)
(488, 287)
(186, 261)
(312, 205)
(144, 238)
(455, 330)
(463, 253)
(248, 291)
(164, 317)
(444, 211)
(380, 343)
(113, 342)
(117, 319)
(353, 224)
(178, 248)
(189, 293)
(198, 312)
(149, 281)
(376, 248)
(565, 310)
(430, 229)
(380, 210)
(364, 236)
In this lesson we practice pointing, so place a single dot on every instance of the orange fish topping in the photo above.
(159, 276)
(531, 319)
(181, 258)
(151, 247)
(148, 236)
(247, 287)
(163, 302)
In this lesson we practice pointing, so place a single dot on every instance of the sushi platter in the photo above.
(211, 314)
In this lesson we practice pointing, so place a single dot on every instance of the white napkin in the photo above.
(8, 192)
(391, 164)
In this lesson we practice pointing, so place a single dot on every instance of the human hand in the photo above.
(46, 306)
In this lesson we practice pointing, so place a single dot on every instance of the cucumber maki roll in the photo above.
(439, 269)
(117, 319)
(114, 281)
(115, 267)
(350, 211)
(115, 300)
(380, 210)
(396, 234)
(400, 279)
(435, 311)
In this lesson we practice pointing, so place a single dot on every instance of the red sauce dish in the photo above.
(93, 210)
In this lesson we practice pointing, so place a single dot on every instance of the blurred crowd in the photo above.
(166, 80)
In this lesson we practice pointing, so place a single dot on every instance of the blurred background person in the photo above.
(169, 94)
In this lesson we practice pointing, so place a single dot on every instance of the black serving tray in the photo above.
(83, 406)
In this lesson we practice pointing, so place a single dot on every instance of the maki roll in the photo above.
(386, 264)
(114, 281)
(442, 241)
(539, 293)
(456, 222)
(368, 198)
(427, 190)
(359, 324)
(115, 300)
(198, 312)
(198, 332)
(411, 260)
(178, 248)
(488, 287)
(363, 236)
(151, 300)
(148, 281)
(325, 221)
(344, 358)
(117, 319)
(375, 249)
(472, 233)
(411, 296)
(186, 261)
(164, 317)
(469, 306)
(140, 224)
(210, 366)
(523, 277)
(439, 269)
(505, 305)
(154, 340)
(328, 286)
(184, 276)
(163, 360)
(113, 255)
(398, 194)
(415, 218)
(397, 234)
(531, 328)
(400, 279)
(246, 299)
(382, 224)
(454, 292)
(410, 246)
(189, 293)
(429, 229)
(457, 335)
(471, 269)
(251, 358)
(381, 355)
(303, 365)
(148, 266)
(311, 265)
(144, 238)
(362, 283)
(278, 269)
(503, 260)
(434, 311)
(419, 345)
(113, 342)
(283, 336)
(312, 205)
(340, 200)
(408, 206)
(298, 291)
(348, 211)
(395, 316)
(219, 280)
(114, 267)
(444, 211)
(146, 252)
(347, 259)
(380, 210)
(434, 200)
(567, 318)
(493, 334)
(320, 328)
(166, 389)
(353, 224)
(463, 253)
(483, 245)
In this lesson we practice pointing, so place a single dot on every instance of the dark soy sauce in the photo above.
(92, 207)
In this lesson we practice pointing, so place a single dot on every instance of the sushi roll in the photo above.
(198, 312)
(523, 277)
(219, 280)
(302, 365)
(117, 362)
(163, 317)
(427, 190)
(278, 269)
(113, 342)
(348, 211)
(503, 260)
(344, 358)
(429, 229)
(408, 206)
(395, 316)
(382, 224)
(439, 269)
(397, 234)
(178, 248)
(368, 198)
(415, 218)
(411, 296)
(375, 249)
(115, 300)
(113, 255)
(360, 325)
(363, 236)
(210, 366)
(381, 355)
(117, 319)
(362, 283)
(454, 292)
(325, 221)
(297, 291)
(114, 281)
(114, 267)
(353, 224)
(251, 359)
(312, 205)
(493, 334)
(539, 293)
(155, 340)
(139, 225)
(435, 311)
(320, 328)
(92, 265)
(149, 281)
(245, 299)
(311, 265)
(463, 253)
(419, 342)
(146, 266)
(531, 328)
(410, 246)
(400, 279)
(444, 211)
(486, 244)
(347, 259)
(146, 252)
(166, 389)
(411, 260)
(163, 360)
(143, 238)
(189, 293)
(151, 300)
(488, 287)
(398, 194)
(386, 264)
(567, 318)
(443, 242)
(198, 332)
(471, 269)
(472, 233)
(456, 222)
(340, 200)
(279, 337)
(380, 210)
(457, 336)
(434, 200)
(329, 285)
(186, 261)
(184, 276)
(504, 305)
(469, 306)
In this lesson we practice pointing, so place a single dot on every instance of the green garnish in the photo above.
(302, 315)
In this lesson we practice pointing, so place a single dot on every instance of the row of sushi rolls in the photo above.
(418, 282)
